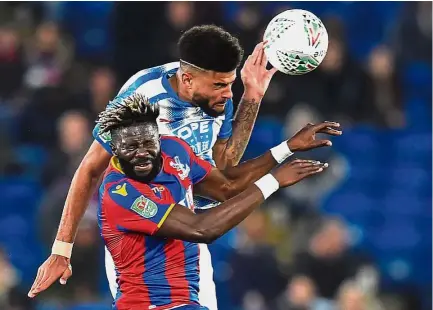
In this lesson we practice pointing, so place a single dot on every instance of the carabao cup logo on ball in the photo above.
(297, 42)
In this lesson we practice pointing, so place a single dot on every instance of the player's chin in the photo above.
(219, 108)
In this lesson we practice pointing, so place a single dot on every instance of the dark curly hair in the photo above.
(125, 111)
(211, 48)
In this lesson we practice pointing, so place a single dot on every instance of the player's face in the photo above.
(211, 91)
(139, 151)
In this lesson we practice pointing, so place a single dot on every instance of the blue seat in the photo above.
(408, 178)
(266, 134)
(418, 113)
(399, 203)
(33, 158)
(417, 77)
(19, 196)
(397, 234)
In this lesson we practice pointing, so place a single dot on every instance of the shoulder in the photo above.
(172, 145)
(146, 76)
(124, 192)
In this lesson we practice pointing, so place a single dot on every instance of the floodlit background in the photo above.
(356, 238)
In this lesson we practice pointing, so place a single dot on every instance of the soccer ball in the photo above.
(297, 42)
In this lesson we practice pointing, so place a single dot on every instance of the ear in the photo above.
(187, 78)
(113, 148)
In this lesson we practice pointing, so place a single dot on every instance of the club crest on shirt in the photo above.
(144, 207)
(181, 168)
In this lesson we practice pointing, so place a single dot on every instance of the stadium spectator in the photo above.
(386, 89)
(301, 295)
(48, 56)
(254, 249)
(73, 130)
(412, 40)
(11, 63)
(328, 261)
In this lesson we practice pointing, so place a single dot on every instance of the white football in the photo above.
(297, 42)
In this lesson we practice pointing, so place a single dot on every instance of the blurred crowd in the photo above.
(60, 63)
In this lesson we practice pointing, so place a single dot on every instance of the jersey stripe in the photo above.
(154, 274)
(153, 87)
(192, 252)
(175, 271)
(133, 264)
(140, 81)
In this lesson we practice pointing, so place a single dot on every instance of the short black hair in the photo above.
(211, 48)
(125, 111)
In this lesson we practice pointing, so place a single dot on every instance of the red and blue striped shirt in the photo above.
(152, 272)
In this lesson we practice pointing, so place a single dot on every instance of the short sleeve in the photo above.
(199, 168)
(103, 139)
(136, 208)
(226, 127)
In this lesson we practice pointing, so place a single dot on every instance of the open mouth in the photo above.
(141, 167)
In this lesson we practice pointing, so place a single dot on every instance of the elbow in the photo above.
(203, 235)
(207, 238)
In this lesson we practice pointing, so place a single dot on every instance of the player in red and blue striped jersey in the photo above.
(131, 213)
(146, 213)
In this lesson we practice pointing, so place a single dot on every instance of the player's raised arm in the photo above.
(222, 185)
(227, 152)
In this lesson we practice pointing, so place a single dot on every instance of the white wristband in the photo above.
(62, 248)
(267, 185)
(281, 152)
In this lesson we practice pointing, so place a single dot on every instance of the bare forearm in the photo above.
(79, 195)
(217, 221)
(246, 173)
(82, 188)
(184, 224)
(243, 124)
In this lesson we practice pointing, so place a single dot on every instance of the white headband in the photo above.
(194, 66)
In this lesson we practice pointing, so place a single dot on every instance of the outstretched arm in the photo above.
(82, 188)
(222, 185)
(178, 222)
(256, 79)
(206, 227)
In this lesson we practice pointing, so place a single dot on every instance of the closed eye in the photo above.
(220, 85)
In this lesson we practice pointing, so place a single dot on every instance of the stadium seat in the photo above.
(417, 78)
(387, 197)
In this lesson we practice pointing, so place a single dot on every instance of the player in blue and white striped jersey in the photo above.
(195, 99)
